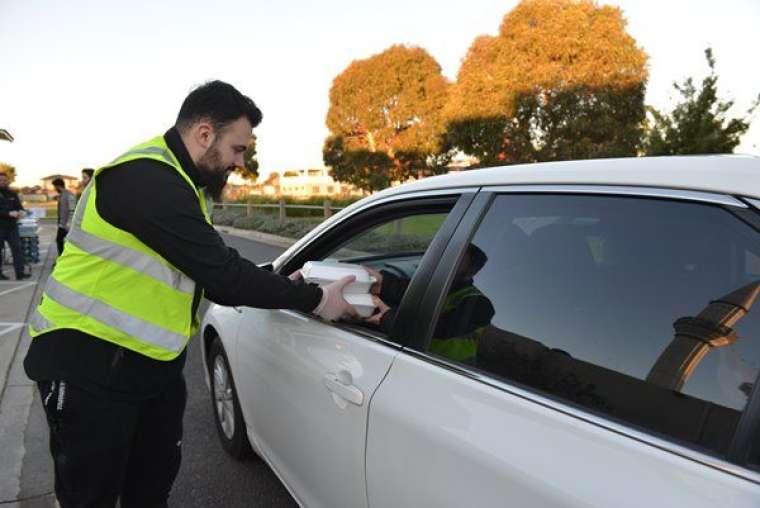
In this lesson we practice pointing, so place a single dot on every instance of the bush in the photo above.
(265, 223)
(312, 201)
(377, 243)
(253, 222)
(222, 217)
(295, 228)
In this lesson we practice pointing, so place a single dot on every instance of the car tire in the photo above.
(225, 404)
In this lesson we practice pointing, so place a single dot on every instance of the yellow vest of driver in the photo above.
(463, 348)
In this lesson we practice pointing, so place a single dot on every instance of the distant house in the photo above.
(234, 192)
(271, 186)
(304, 183)
(462, 162)
(72, 182)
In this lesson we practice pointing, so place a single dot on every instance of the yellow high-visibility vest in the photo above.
(465, 347)
(110, 285)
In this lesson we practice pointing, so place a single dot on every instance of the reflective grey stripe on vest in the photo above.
(39, 323)
(148, 150)
(125, 256)
(79, 212)
(138, 261)
(82, 304)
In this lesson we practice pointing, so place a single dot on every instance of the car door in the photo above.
(618, 365)
(305, 385)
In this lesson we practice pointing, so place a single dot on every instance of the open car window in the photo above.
(395, 246)
(392, 238)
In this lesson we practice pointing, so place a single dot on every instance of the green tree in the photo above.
(577, 123)
(251, 168)
(9, 170)
(385, 119)
(562, 79)
(698, 124)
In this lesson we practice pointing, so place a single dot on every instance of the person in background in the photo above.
(86, 177)
(66, 204)
(10, 212)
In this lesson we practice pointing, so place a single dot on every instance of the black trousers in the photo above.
(10, 235)
(105, 449)
(59, 238)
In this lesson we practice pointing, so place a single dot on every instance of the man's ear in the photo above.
(204, 134)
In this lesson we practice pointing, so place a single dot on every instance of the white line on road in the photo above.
(26, 285)
(10, 327)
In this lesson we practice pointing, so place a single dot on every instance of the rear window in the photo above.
(643, 310)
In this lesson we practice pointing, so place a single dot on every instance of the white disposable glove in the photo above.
(333, 306)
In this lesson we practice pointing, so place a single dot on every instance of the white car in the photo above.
(574, 334)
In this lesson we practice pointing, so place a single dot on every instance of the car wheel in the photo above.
(226, 406)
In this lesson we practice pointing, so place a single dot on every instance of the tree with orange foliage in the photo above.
(385, 119)
(562, 80)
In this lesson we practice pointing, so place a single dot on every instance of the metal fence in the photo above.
(282, 208)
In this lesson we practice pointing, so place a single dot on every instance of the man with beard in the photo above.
(120, 306)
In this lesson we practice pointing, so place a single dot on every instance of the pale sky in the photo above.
(81, 81)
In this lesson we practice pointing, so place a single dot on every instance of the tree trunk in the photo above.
(371, 140)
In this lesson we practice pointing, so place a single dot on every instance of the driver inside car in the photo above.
(465, 314)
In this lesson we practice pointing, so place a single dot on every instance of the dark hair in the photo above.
(88, 171)
(218, 102)
(58, 182)
(3, 173)
(478, 258)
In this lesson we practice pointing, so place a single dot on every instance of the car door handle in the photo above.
(340, 385)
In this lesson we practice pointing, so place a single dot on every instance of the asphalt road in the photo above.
(209, 477)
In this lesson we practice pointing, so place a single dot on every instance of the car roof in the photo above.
(726, 174)
(723, 174)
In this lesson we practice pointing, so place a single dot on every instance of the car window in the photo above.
(405, 234)
(391, 240)
(395, 246)
(638, 309)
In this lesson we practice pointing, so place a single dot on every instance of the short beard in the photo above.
(213, 176)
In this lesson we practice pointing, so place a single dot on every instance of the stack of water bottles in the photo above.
(30, 241)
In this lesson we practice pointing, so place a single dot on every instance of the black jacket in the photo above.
(9, 202)
(150, 200)
(469, 315)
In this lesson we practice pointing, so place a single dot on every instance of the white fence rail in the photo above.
(282, 207)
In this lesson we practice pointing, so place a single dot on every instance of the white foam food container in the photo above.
(326, 272)
(362, 303)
